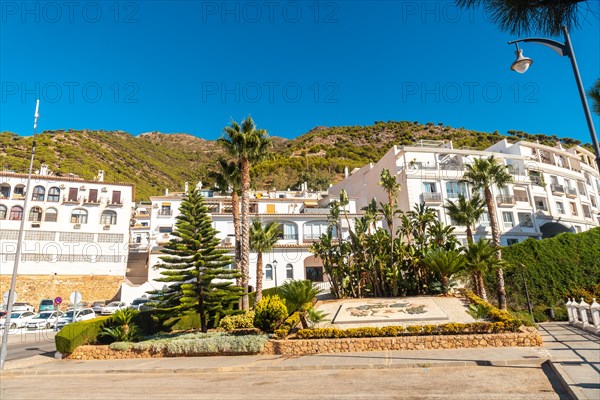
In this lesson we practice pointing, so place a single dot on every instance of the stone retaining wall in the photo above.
(528, 338)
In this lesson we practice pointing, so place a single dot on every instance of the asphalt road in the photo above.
(490, 383)
(23, 344)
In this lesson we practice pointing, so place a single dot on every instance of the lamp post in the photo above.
(521, 65)
(275, 271)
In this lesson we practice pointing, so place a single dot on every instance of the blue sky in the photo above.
(192, 66)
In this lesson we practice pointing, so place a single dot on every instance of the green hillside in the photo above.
(155, 161)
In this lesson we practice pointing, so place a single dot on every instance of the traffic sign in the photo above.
(57, 300)
(75, 297)
(5, 297)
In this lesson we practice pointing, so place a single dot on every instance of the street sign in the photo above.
(5, 297)
(75, 297)
(57, 300)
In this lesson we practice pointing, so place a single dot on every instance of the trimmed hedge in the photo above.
(502, 322)
(78, 333)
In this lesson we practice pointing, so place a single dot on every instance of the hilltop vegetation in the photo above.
(155, 161)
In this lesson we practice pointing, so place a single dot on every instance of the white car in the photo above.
(139, 303)
(83, 314)
(22, 307)
(18, 319)
(113, 307)
(44, 320)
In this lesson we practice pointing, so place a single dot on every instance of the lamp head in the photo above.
(275, 263)
(522, 63)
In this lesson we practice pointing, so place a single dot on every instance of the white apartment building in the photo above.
(302, 217)
(554, 190)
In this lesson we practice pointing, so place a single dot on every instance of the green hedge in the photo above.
(79, 333)
(554, 268)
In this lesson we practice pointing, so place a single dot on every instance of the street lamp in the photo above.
(521, 65)
(275, 271)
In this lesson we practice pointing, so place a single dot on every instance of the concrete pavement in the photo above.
(575, 357)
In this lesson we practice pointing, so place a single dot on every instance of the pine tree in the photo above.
(197, 270)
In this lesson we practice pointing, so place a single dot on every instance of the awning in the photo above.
(311, 203)
(166, 204)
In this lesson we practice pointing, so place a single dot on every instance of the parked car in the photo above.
(83, 314)
(46, 305)
(97, 306)
(138, 304)
(45, 319)
(113, 307)
(18, 319)
(23, 307)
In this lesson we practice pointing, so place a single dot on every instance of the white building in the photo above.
(554, 190)
(302, 217)
(74, 228)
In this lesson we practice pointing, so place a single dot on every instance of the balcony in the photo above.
(505, 200)
(70, 200)
(18, 196)
(288, 236)
(118, 203)
(309, 238)
(557, 189)
(521, 198)
(571, 192)
(431, 198)
(165, 213)
(92, 202)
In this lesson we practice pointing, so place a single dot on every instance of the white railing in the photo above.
(324, 286)
(583, 315)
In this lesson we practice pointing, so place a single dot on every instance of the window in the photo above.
(521, 195)
(429, 187)
(289, 271)
(314, 230)
(593, 200)
(287, 231)
(39, 193)
(51, 214)
(573, 208)
(93, 196)
(510, 242)
(19, 191)
(454, 188)
(270, 208)
(508, 219)
(16, 213)
(581, 187)
(54, 194)
(484, 219)
(35, 214)
(79, 216)
(3, 210)
(116, 197)
(586, 211)
(269, 272)
(314, 274)
(540, 204)
(525, 219)
(554, 179)
(165, 209)
(4, 191)
(560, 207)
(108, 218)
(165, 229)
(73, 194)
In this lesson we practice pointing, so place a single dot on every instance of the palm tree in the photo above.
(262, 240)
(594, 93)
(228, 179)
(248, 145)
(299, 295)
(525, 16)
(483, 174)
(446, 263)
(391, 187)
(466, 212)
(481, 256)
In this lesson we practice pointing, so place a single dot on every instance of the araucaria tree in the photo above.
(483, 174)
(197, 270)
(247, 145)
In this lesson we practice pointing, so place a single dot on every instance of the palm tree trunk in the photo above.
(259, 279)
(235, 202)
(491, 206)
(245, 232)
(481, 284)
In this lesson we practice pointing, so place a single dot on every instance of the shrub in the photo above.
(120, 326)
(119, 346)
(240, 321)
(269, 313)
(78, 333)
(186, 322)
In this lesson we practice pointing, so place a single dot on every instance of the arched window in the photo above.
(314, 230)
(289, 271)
(35, 214)
(79, 216)
(19, 192)
(288, 231)
(4, 191)
(268, 272)
(108, 217)
(39, 193)
(54, 194)
(16, 213)
(3, 211)
(51, 214)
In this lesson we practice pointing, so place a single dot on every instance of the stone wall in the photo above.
(33, 288)
(527, 338)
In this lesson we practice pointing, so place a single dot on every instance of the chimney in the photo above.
(44, 170)
(346, 172)
(166, 191)
(186, 187)
(100, 175)
(199, 185)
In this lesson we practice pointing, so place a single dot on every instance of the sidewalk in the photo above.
(575, 356)
(505, 356)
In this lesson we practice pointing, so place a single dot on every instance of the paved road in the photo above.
(23, 344)
(514, 383)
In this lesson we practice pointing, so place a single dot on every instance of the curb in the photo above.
(27, 362)
(566, 381)
(331, 367)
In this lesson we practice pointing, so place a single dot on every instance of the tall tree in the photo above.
(481, 256)
(392, 187)
(482, 174)
(262, 240)
(228, 180)
(247, 145)
(594, 93)
(198, 271)
(532, 16)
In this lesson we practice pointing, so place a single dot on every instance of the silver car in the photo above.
(44, 320)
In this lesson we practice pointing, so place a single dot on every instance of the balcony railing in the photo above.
(557, 188)
(311, 237)
(165, 213)
(432, 197)
(289, 236)
(505, 200)
(571, 192)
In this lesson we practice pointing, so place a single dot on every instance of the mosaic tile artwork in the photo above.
(383, 310)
